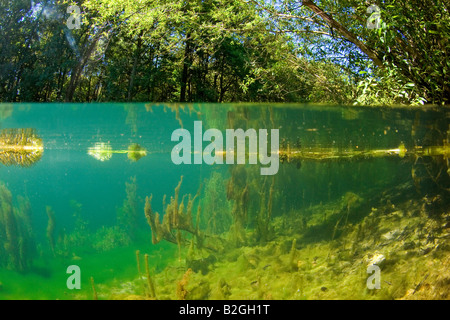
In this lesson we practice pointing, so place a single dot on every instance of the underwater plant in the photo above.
(265, 213)
(217, 209)
(108, 238)
(21, 147)
(177, 220)
(182, 292)
(27, 243)
(103, 151)
(127, 216)
(51, 228)
(136, 152)
(238, 190)
(151, 286)
(176, 108)
(16, 234)
(132, 117)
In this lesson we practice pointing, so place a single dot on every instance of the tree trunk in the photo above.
(186, 65)
(343, 31)
(135, 64)
(76, 73)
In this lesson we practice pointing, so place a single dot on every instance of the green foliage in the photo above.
(414, 43)
(390, 89)
(409, 53)
(212, 51)
(225, 51)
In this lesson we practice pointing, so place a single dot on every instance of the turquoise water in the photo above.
(326, 153)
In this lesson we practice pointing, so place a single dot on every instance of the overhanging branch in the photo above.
(346, 33)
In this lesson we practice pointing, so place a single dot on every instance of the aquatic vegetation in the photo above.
(182, 292)
(293, 263)
(127, 215)
(108, 238)
(132, 117)
(151, 286)
(51, 228)
(21, 147)
(6, 110)
(136, 152)
(176, 108)
(27, 242)
(216, 217)
(431, 153)
(238, 191)
(264, 216)
(343, 201)
(78, 236)
(292, 154)
(103, 151)
(18, 249)
(173, 219)
(395, 238)
(178, 221)
(94, 291)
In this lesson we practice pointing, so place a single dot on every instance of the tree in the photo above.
(411, 47)
(159, 50)
(202, 51)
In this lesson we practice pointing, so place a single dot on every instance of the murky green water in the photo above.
(355, 187)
